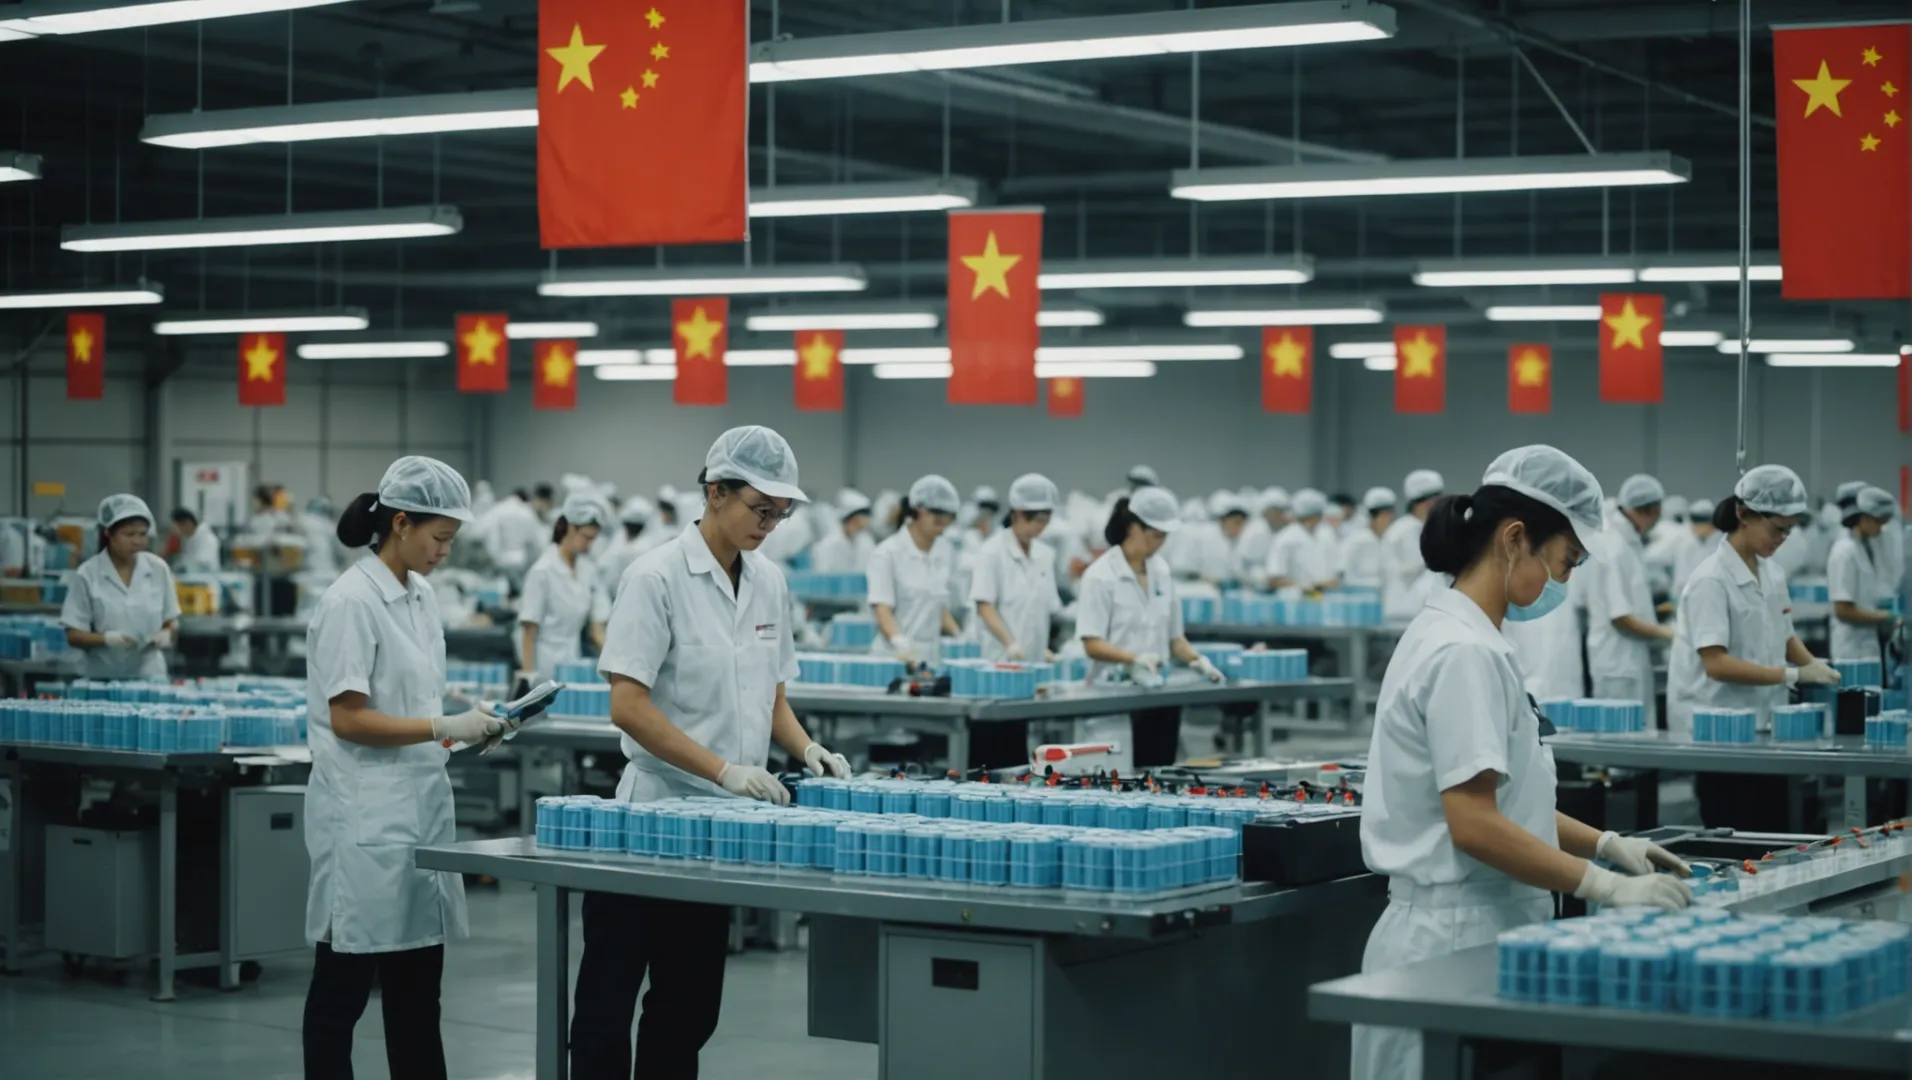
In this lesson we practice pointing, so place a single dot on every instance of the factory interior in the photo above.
(954, 538)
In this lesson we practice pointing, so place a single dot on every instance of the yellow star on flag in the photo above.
(1419, 355)
(83, 345)
(650, 78)
(1063, 388)
(575, 59)
(818, 356)
(1629, 326)
(991, 268)
(1284, 358)
(1889, 90)
(259, 361)
(481, 344)
(1868, 141)
(660, 51)
(1892, 118)
(1822, 90)
(557, 367)
(629, 97)
(656, 20)
(1530, 369)
(1871, 57)
(699, 334)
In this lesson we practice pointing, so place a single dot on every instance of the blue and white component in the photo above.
(1725, 725)
(808, 584)
(1799, 723)
(1887, 730)
(852, 630)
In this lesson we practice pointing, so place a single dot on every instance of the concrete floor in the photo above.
(55, 1028)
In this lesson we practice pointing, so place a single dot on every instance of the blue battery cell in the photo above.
(883, 850)
(727, 837)
(607, 826)
(866, 799)
(1035, 861)
(640, 829)
(1522, 958)
(1726, 980)
(793, 836)
(1573, 971)
(848, 857)
(898, 799)
(957, 848)
(550, 810)
(1806, 985)
(923, 847)
(933, 803)
(1798, 723)
(1634, 975)
(1058, 810)
(989, 859)
(1000, 810)
(1086, 814)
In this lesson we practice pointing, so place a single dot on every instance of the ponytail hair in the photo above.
(1460, 528)
(1120, 519)
(1726, 514)
(366, 522)
(557, 531)
(905, 513)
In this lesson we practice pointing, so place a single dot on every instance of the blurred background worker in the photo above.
(1016, 602)
(1706, 537)
(1408, 582)
(631, 541)
(1273, 504)
(121, 605)
(1343, 516)
(322, 550)
(1212, 552)
(1460, 813)
(514, 536)
(1621, 621)
(846, 544)
(1298, 559)
(1734, 645)
(1141, 476)
(1363, 561)
(198, 546)
(909, 576)
(562, 597)
(1854, 580)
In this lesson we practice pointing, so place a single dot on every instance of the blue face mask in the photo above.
(1552, 595)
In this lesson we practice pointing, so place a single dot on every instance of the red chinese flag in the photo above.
(85, 357)
(484, 354)
(641, 122)
(1065, 397)
(994, 259)
(554, 379)
(820, 371)
(1530, 379)
(1420, 369)
(1845, 161)
(699, 330)
(1631, 362)
(1287, 369)
(262, 369)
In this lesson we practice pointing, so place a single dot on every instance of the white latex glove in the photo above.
(1049, 656)
(1604, 887)
(823, 763)
(1014, 654)
(1146, 668)
(905, 652)
(1818, 673)
(1637, 856)
(116, 639)
(162, 640)
(1209, 670)
(753, 782)
(511, 724)
(471, 726)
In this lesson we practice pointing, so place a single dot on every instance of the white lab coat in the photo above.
(1452, 705)
(368, 807)
(1621, 665)
(97, 601)
(1725, 604)
(515, 536)
(968, 546)
(837, 553)
(1363, 559)
(1022, 586)
(788, 540)
(1549, 648)
(560, 601)
(1852, 575)
(914, 584)
(321, 543)
(1297, 555)
(1111, 604)
(1409, 581)
(712, 657)
(1688, 555)
(22, 551)
(198, 553)
(1252, 549)
(618, 558)
(1207, 554)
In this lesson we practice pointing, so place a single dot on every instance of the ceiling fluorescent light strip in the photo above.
(1379, 363)
(1169, 273)
(637, 372)
(1720, 273)
(111, 296)
(899, 318)
(329, 227)
(897, 197)
(265, 322)
(912, 371)
(1472, 273)
(1544, 313)
(1360, 350)
(540, 331)
(374, 350)
(604, 357)
(1063, 355)
(1445, 176)
(43, 20)
(1690, 339)
(1789, 345)
(731, 281)
(1073, 315)
(1833, 360)
(420, 114)
(1248, 315)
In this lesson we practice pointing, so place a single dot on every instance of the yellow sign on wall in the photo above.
(51, 489)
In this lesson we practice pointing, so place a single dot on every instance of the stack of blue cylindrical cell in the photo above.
(1272, 665)
(1609, 717)
(1798, 723)
(1199, 610)
(586, 700)
(262, 727)
(1810, 592)
(961, 650)
(1725, 725)
(832, 669)
(810, 583)
(993, 679)
(1298, 611)
(1562, 712)
(1859, 672)
(1887, 730)
(852, 630)
(607, 826)
(1352, 607)
(1223, 654)
(1250, 609)
(577, 671)
(466, 673)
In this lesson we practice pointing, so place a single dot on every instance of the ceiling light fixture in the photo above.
(721, 281)
(913, 371)
(17, 166)
(1788, 345)
(265, 322)
(398, 223)
(1066, 355)
(1544, 313)
(1690, 339)
(1061, 313)
(1379, 363)
(420, 114)
(542, 331)
(877, 316)
(1361, 350)
(637, 372)
(374, 350)
(894, 197)
(900, 354)
(1705, 268)
(1438, 177)
(1103, 369)
(1252, 312)
(144, 292)
(1833, 360)
(1470, 273)
(602, 357)
(1175, 273)
(32, 20)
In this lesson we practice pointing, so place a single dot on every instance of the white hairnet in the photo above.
(759, 457)
(637, 510)
(1033, 493)
(1551, 477)
(117, 508)
(1156, 507)
(1876, 502)
(668, 495)
(935, 493)
(1143, 476)
(1377, 499)
(583, 509)
(1701, 511)
(1309, 503)
(1274, 498)
(850, 503)
(423, 485)
(1422, 484)
(1772, 489)
(1640, 490)
(984, 495)
(1848, 492)
(1194, 510)
(1675, 507)
(1225, 503)
(573, 483)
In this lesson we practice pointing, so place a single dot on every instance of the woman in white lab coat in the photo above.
(1363, 559)
(1302, 557)
(121, 605)
(1460, 811)
(1409, 582)
(846, 546)
(1855, 580)
(1622, 624)
(1129, 617)
(1733, 641)
(198, 546)
(632, 540)
(1013, 592)
(1687, 557)
(375, 685)
(561, 597)
(697, 657)
(909, 576)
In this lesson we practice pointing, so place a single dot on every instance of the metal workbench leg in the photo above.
(168, 880)
(228, 900)
(1441, 1056)
(554, 981)
(959, 745)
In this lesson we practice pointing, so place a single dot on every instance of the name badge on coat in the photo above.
(767, 631)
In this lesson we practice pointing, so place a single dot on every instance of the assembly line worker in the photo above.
(1252, 552)
(1363, 561)
(1621, 621)
(375, 684)
(1854, 579)
(909, 576)
(1460, 796)
(1213, 551)
(1409, 583)
(633, 518)
(845, 547)
(1733, 643)
(121, 606)
(1128, 616)
(198, 547)
(1298, 560)
(697, 657)
(561, 597)
(1706, 538)
(1016, 601)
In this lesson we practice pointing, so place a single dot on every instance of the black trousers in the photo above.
(1157, 735)
(408, 996)
(682, 946)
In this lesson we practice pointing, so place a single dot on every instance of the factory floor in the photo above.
(56, 1028)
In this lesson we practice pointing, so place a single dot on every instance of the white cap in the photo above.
(1849, 491)
(1878, 503)
(1772, 489)
(759, 457)
(1034, 493)
(1143, 476)
(1194, 510)
(1551, 477)
(1224, 503)
(935, 493)
(117, 508)
(1309, 503)
(1157, 508)
(1640, 490)
(1377, 499)
(1422, 484)
(573, 483)
(851, 503)
(637, 511)
(669, 494)
(1701, 511)
(1675, 506)
(423, 485)
(985, 494)
(1274, 498)
(583, 509)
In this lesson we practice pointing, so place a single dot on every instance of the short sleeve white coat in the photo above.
(1750, 615)
(914, 584)
(98, 601)
(560, 600)
(1852, 575)
(1112, 604)
(1022, 586)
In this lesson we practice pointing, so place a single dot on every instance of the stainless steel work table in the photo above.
(1352, 647)
(222, 769)
(1045, 984)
